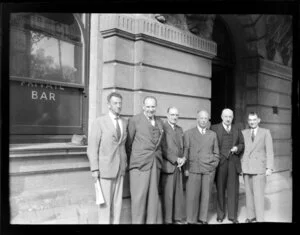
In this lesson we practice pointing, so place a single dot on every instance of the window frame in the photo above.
(17, 131)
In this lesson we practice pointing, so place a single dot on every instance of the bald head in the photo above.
(227, 116)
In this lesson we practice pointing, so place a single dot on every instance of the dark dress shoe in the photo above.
(220, 220)
(250, 220)
(191, 223)
(234, 221)
(178, 222)
(202, 222)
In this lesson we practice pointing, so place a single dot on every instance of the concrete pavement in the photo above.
(278, 207)
(278, 202)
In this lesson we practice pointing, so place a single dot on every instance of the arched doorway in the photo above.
(222, 87)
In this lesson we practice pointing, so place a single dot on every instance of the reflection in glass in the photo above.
(52, 59)
(47, 48)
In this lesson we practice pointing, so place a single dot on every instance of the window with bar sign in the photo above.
(46, 77)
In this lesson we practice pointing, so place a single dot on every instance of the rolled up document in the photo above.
(99, 195)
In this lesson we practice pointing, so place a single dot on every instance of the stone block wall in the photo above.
(143, 57)
(269, 86)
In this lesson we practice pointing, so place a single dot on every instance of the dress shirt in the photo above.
(151, 120)
(254, 131)
(113, 118)
(201, 130)
(227, 128)
(172, 125)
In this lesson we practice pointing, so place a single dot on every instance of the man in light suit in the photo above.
(171, 177)
(202, 153)
(108, 160)
(257, 163)
(145, 132)
(231, 145)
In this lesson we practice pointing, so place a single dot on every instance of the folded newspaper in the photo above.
(99, 195)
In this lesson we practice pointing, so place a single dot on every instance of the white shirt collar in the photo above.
(152, 120)
(201, 129)
(172, 125)
(255, 130)
(113, 118)
(225, 127)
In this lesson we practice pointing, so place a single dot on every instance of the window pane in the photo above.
(46, 74)
(37, 105)
(52, 59)
(45, 48)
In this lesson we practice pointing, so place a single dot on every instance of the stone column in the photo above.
(96, 64)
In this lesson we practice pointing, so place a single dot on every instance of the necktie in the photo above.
(152, 121)
(227, 129)
(202, 131)
(252, 135)
(118, 129)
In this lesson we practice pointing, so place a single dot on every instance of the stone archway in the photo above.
(263, 49)
(263, 77)
(242, 54)
(242, 32)
(223, 66)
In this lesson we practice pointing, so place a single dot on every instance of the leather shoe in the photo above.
(234, 221)
(250, 220)
(220, 220)
(192, 223)
(202, 222)
(178, 222)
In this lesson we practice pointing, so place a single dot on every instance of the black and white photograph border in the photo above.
(58, 66)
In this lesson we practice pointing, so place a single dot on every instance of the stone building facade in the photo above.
(192, 61)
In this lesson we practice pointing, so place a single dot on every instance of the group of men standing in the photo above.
(159, 154)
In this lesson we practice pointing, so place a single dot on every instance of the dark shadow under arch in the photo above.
(235, 72)
(222, 87)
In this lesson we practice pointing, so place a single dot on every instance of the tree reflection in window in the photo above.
(52, 59)
(45, 46)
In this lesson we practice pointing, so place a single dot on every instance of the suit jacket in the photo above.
(172, 147)
(141, 147)
(238, 141)
(201, 151)
(105, 152)
(258, 155)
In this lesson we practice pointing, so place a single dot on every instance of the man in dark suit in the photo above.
(145, 132)
(107, 156)
(202, 153)
(257, 163)
(231, 145)
(171, 177)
